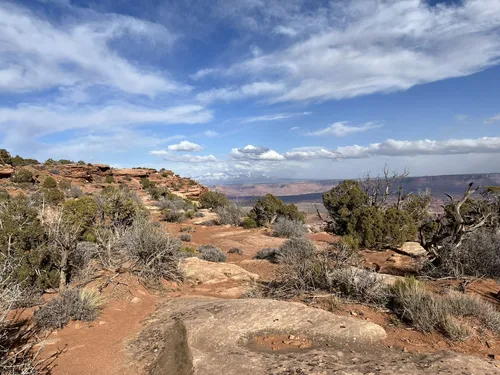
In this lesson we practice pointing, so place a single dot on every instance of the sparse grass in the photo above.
(289, 228)
(72, 304)
(427, 311)
(211, 253)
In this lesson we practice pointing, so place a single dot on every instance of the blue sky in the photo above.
(296, 88)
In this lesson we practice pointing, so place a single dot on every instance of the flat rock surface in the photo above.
(206, 336)
(413, 249)
(198, 271)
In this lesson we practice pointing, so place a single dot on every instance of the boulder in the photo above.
(413, 249)
(6, 172)
(198, 271)
(210, 336)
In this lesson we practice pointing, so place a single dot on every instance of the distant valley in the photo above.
(310, 191)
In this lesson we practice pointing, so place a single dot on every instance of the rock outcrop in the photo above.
(201, 336)
(198, 271)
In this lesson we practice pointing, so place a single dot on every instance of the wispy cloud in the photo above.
(251, 90)
(190, 158)
(273, 117)
(341, 129)
(369, 46)
(36, 54)
(492, 119)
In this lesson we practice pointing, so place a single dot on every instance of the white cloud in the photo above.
(310, 153)
(284, 30)
(492, 119)
(393, 147)
(273, 117)
(294, 129)
(190, 158)
(340, 129)
(461, 117)
(251, 152)
(210, 133)
(237, 93)
(186, 146)
(36, 54)
(367, 46)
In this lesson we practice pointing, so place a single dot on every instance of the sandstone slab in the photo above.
(198, 271)
(197, 336)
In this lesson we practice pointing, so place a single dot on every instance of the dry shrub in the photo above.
(235, 250)
(155, 253)
(296, 249)
(187, 229)
(360, 285)
(427, 311)
(229, 214)
(269, 253)
(478, 255)
(288, 228)
(211, 253)
(186, 237)
(72, 304)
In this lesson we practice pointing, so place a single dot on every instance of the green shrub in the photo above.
(157, 193)
(50, 161)
(249, 223)
(146, 183)
(188, 252)
(110, 179)
(342, 201)
(18, 161)
(289, 228)
(49, 183)
(81, 162)
(22, 238)
(5, 157)
(72, 304)
(22, 175)
(81, 213)
(65, 184)
(349, 241)
(213, 200)
(269, 208)
(53, 196)
(121, 206)
(211, 253)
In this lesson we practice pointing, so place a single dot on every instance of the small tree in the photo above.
(269, 208)
(5, 157)
(22, 176)
(49, 183)
(213, 199)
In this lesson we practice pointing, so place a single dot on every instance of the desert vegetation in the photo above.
(58, 232)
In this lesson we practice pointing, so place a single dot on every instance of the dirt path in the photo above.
(99, 348)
